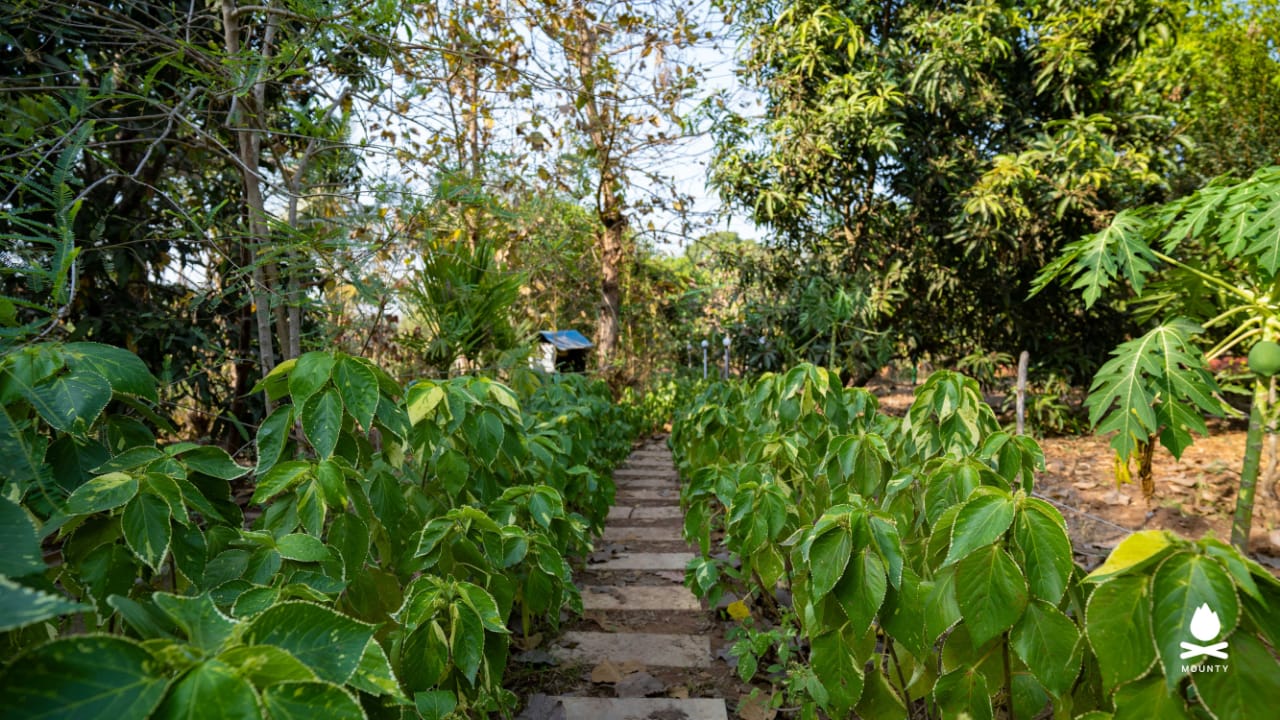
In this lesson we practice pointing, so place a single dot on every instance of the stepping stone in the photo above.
(645, 561)
(619, 512)
(648, 649)
(625, 495)
(661, 512)
(649, 482)
(639, 597)
(642, 473)
(615, 533)
(584, 708)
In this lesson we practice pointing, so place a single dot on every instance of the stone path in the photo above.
(636, 577)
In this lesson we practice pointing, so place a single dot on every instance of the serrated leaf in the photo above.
(1133, 552)
(326, 641)
(147, 528)
(1148, 699)
(466, 641)
(962, 693)
(280, 478)
(828, 556)
(82, 677)
(840, 673)
(1183, 583)
(214, 462)
(310, 700)
(204, 624)
(124, 371)
(21, 554)
(264, 665)
(435, 704)
(358, 387)
(21, 606)
(311, 372)
(303, 548)
(322, 421)
(991, 592)
(861, 590)
(104, 492)
(1048, 642)
(1042, 546)
(1250, 682)
(374, 674)
(70, 403)
(272, 437)
(982, 520)
(210, 690)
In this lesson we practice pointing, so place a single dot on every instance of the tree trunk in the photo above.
(611, 257)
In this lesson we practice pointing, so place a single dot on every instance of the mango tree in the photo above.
(1208, 263)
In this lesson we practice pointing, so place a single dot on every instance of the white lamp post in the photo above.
(726, 357)
(704, 359)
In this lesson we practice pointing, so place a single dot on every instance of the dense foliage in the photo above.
(923, 575)
(379, 555)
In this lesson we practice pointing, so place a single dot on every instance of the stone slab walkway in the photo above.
(638, 575)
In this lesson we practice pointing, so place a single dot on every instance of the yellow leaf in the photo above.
(1135, 549)
(738, 610)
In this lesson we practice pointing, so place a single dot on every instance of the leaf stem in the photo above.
(1243, 294)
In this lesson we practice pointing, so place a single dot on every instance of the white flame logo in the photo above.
(1205, 624)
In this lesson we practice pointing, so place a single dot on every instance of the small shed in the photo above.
(563, 351)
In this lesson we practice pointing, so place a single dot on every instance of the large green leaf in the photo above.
(310, 374)
(435, 704)
(1133, 553)
(1048, 642)
(860, 591)
(1149, 699)
(204, 624)
(1120, 250)
(102, 493)
(70, 403)
(272, 437)
(1118, 624)
(322, 421)
(1243, 685)
(832, 659)
(279, 478)
(1042, 546)
(303, 548)
(991, 592)
(324, 640)
(265, 665)
(309, 701)
(211, 690)
(21, 554)
(374, 674)
(358, 387)
(466, 640)
(24, 453)
(124, 371)
(82, 678)
(147, 528)
(962, 693)
(983, 519)
(828, 557)
(21, 606)
(213, 461)
(1182, 585)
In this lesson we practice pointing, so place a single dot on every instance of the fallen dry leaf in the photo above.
(756, 707)
(606, 672)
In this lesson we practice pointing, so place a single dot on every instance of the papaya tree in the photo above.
(1207, 265)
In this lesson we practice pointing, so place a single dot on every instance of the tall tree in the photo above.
(621, 78)
(961, 141)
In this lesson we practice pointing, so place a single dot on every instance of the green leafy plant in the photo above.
(389, 539)
(924, 576)
(1209, 263)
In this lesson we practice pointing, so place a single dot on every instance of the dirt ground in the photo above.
(1194, 496)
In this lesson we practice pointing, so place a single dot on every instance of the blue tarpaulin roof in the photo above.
(566, 339)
